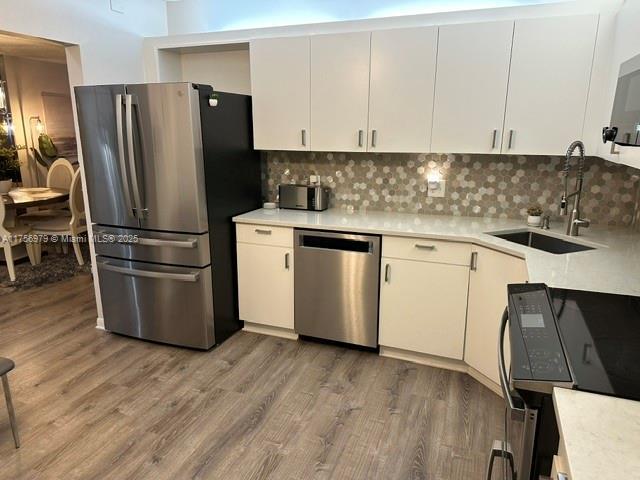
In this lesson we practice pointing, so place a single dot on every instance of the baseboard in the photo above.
(423, 359)
(483, 379)
(441, 362)
(270, 330)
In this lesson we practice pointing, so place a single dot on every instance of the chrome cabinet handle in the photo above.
(286, 261)
(304, 137)
(562, 476)
(495, 138)
(132, 272)
(121, 161)
(360, 137)
(474, 261)
(261, 231)
(128, 101)
(387, 273)
(420, 246)
(374, 137)
(510, 139)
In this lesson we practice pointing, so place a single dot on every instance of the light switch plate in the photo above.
(117, 6)
(436, 188)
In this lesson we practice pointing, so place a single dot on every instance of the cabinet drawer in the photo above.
(265, 235)
(438, 251)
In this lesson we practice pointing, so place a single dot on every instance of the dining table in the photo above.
(28, 197)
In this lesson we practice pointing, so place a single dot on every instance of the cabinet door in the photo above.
(265, 284)
(487, 300)
(471, 87)
(423, 307)
(403, 67)
(280, 93)
(549, 84)
(340, 91)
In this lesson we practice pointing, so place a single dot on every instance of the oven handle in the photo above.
(516, 413)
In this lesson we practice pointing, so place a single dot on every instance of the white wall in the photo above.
(193, 16)
(27, 80)
(227, 71)
(110, 43)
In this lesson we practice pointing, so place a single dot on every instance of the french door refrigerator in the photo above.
(166, 167)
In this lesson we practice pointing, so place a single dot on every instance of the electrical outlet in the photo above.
(436, 188)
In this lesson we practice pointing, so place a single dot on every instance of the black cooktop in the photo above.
(601, 335)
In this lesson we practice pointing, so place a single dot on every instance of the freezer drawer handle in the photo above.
(155, 242)
(181, 277)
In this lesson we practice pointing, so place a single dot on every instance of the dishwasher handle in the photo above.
(337, 242)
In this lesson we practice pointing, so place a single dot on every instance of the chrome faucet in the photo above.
(575, 222)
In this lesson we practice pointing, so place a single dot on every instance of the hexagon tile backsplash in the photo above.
(476, 185)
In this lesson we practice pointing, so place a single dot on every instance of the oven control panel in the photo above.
(536, 349)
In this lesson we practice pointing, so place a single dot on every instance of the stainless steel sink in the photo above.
(542, 242)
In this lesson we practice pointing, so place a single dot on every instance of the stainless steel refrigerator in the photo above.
(167, 165)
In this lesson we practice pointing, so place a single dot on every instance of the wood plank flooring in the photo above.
(93, 405)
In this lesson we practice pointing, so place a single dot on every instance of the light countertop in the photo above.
(613, 267)
(601, 435)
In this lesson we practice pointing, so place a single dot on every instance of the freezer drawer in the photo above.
(149, 246)
(336, 286)
(157, 302)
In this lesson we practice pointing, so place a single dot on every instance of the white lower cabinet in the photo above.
(423, 307)
(265, 283)
(488, 281)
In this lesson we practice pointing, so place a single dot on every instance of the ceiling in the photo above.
(31, 47)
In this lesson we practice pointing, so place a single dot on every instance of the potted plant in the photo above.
(9, 164)
(534, 218)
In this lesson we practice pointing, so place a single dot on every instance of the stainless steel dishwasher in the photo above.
(337, 283)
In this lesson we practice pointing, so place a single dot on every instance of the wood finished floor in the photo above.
(96, 405)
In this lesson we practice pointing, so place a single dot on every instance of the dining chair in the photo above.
(11, 237)
(6, 366)
(65, 225)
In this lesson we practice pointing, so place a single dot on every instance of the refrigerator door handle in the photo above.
(133, 272)
(132, 159)
(121, 161)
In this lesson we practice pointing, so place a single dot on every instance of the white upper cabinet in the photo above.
(403, 67)
(549, 83)
(471, 87)
(280, 87)
(339, 91)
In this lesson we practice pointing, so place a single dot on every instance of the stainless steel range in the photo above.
(587, 341)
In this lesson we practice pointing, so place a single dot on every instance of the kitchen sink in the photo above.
(542, 242)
